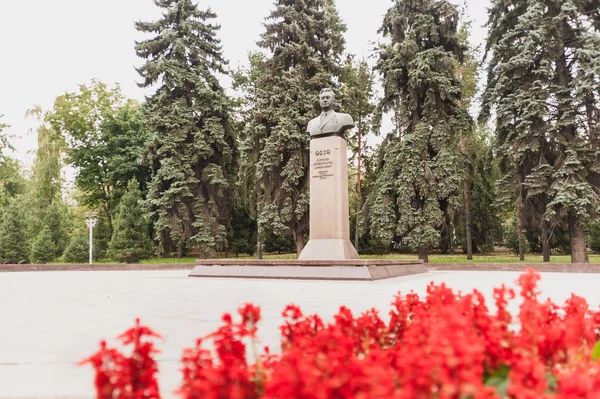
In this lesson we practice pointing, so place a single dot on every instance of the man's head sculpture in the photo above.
(330, 123)
(326, 99)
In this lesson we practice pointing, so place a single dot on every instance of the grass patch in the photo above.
(438, 258)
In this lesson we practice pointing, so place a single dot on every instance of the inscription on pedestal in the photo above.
(323, 165)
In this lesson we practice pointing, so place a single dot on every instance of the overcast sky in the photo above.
(48, 47)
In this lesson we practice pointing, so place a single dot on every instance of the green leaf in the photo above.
(596, 351)
(499, 380)
(552, 383)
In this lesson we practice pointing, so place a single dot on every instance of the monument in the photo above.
(329, 254)
(329, 213)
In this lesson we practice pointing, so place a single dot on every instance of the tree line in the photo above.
(195, 170)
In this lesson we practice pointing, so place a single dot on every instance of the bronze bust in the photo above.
(329, 123)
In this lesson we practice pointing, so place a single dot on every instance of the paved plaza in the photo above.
(51, 320)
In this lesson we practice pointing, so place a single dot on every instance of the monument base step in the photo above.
(350, 269)
(328, 249)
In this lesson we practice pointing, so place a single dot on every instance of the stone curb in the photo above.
(543, 267)
(96, 267)
(517, 267)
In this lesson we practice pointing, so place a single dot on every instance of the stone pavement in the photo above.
(51, 320)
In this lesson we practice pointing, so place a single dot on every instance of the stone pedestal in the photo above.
(329, 214)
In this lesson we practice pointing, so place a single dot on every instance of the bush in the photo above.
(44, 248)
(594, 237)
(446, 345)
(78, 250)
(280, 244)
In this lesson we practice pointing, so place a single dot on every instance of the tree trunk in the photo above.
(299, 236)
(259, 247)
(465, 186)
(577, 235)
(521, 238)
(108, 220)
(545, 241)
(424, 254)
(468, 220)
(358, 198)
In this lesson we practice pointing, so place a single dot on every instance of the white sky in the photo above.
(48, 47)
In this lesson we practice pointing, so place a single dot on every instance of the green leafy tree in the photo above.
(43, 199)
(14, 246)
(191, 147)
(486, 219)
(301, 49)
(78, 249)
(543, 68)
(44, 248)
(47, 167)
(417, 180)
(12, 182)
(358, 92)
(4, 144)
(104, 142)
(467, 71)
(131, 240)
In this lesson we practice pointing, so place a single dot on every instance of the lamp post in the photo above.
(90, 221)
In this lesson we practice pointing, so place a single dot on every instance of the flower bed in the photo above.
(445, 345)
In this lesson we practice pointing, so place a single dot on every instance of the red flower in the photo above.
(447, 345)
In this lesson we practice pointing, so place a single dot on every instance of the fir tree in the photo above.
(543, 61)
(78, 249)
(301, 48)
(57, 220)
(417, 180)
(191, 148)
(130, 240)
(44, 248)
(14, 246)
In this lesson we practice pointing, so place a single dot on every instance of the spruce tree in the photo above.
(78, 249)
(44, 248)
(130, 240)
(417, 179)
(543, 62)
(301, 51)
(14, 246)
(57, 219)
(191, 145)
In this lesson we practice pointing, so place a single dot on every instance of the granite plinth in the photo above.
(348, 269)
(329, 213)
